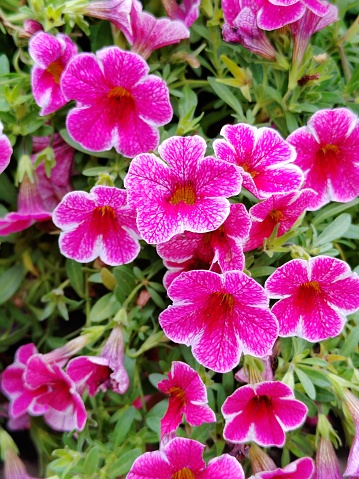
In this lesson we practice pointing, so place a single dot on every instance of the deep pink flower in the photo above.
(118, 104)
(262, 413)
(315, 297)
(182, 459)
(5, 150)
(220, 316)
(223, 246)
(263, 158)
(187, 396)
(326, 461)
(201, 259)
(102, 372)
(51, 55)
(281, 208)
(300, 469)
(114, 11)
(352, 468)
(97, 224)
(187, 11)
(31, 27)
(188, 192)
(328, 153)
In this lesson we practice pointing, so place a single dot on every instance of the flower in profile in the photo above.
(187, 396)
(243, 376)
(188, 192)
(264, 159)
(281, 209)
(51, 55)
(352, 468)
(114, 11)
(5, 150)
(14, 468)
(300, 469)
(262, 413)
(97, 224)
(182, 458)
(187, 11)
(220, 316)
(315, 297)
(326, 461)
(328, 153)
(118, 104)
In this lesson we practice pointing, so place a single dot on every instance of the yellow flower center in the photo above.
(178, 393)
(183, 193)
(183, 474)
(276, 216)
(119, 93)
(55, 69)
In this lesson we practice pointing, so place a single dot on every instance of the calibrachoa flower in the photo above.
(263, 158)
(352, 469)
(14, 468)
(267, 374)
(281, 208)
(220, 316)
(187, 11)
(315, 297)
(326, 461)
(262, 413)
(118, 104)
(224, 245)
(51, 55)
(187, 396)
(300, 469)
(182, 459)
(328, 153)
(188, 192)
(97, 224)
(5, 150)
(201, 259)
(114, 11)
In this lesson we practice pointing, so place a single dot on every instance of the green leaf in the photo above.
(312, 408)
(126, 282)
(259, 271)
(227, 96)
(100, 35)
(10, 282)
(334, 230)
(4, 65)
(351, 342)
(91, 461)
(103, 154)
(306, 383)
(332, 210)
(124, 423)
(104, 308)
(317, 377)
(123, 464)
(156, 298)
(76, 277)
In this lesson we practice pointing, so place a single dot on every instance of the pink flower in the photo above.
(352, 469)
(114, 11)
(182, 459)
(118, 104)
(5, 150)
(300, 469)
(14, 468)
(262, 413)
(328, 153)
(224, 245)
(188, 192)
(101, 372)
(315, 297)
(187, 396)
(220, 316)
(201, 259)
(31, 27)
(263, 158)
(97, 224)
(326, 461)
(51, 55)
(281, 208)
(187, 11)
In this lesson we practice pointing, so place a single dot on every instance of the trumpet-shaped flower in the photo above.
(188, 192)
(97, 224)
(14, 468)
(315, 297)
(300, 469)
(262, 413)
(352, 468)
(326, 461)
(187, 396)
(51, 55)
(328, 153)
(118, 104)
(114, 11)
(5, 150)
(263, 158)
(182, 458)
(220, 316)
(187, 11)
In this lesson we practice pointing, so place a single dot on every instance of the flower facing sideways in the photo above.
(326, 461)
(300, 469)
(5, 150)
(187, 11)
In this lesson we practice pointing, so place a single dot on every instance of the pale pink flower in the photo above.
(181, 458)
(97, 224)
(352, 468)
(315, 297)
(262, 413)
(51, 55)
(187, 396)
(220, 316)
(280, 208)
(184, 192)
(263, 158)
(114, 11)
(5, 150)
(328, 153)
(14, 468)
(300, 469)
(118, 104)
(187, 11)
(326, 461)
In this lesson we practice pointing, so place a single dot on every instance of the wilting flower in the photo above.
(263, 158)
(97, 224)
(220, 316)
(315, 297)
(104, 371)
(51, 55)
(352, 469)
(281, 209)
(300, 469)
(14, 468)
(188, 192)
(262, 413)
(187, 396)
(118, 104)
(114, 11)
(326, 461)
(187, 11)
(5, 150)
(223, 246)
(182, 459)
(328, 153)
